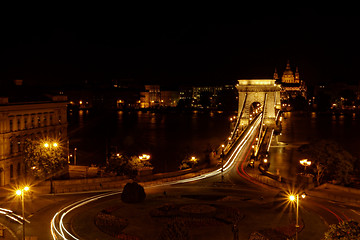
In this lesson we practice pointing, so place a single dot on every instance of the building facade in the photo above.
(154, 97)
(291, 85)
(28, 120)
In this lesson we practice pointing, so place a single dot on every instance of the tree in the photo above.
(188, 162)
(329, 161)
(347, 230)
(123, 164)
(349, 97)
(44, 158)
(175, 230)
(133, 193)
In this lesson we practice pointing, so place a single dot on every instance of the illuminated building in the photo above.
(153, 97)
(27, 117)
(291, 85)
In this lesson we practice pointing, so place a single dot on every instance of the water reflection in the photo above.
(167, 137)
(302, 128)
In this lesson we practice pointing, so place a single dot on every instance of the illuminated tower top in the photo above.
(288, 75)
(297, 75)
(276, 75)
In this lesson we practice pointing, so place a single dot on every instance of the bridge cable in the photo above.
(239, 118)
(261, 125)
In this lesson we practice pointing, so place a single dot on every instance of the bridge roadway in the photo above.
(258, 202)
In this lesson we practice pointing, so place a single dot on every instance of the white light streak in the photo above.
(59, 231)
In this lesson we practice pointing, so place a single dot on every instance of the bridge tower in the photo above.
(263, 91)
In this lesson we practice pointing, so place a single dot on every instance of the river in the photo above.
(303, 127)
(171, 136)
(167, 136)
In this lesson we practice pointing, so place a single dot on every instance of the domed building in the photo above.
(291, 86)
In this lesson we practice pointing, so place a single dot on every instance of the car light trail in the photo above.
(231, 161)
(59, 231)
(10, 214)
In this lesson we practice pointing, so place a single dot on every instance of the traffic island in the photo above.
(280, 233)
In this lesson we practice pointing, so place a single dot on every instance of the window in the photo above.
(32, 122)
(18, 124)
(11, 125)
(25, 123)
(18, 170)
(11, 171)
(11, 147)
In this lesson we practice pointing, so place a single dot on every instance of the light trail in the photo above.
(59, 231)
(229, 163)
(10, 214)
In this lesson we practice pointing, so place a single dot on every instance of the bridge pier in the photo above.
(255, 92)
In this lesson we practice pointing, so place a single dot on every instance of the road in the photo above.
(70, 216)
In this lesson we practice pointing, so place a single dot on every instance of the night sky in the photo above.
(175, 50)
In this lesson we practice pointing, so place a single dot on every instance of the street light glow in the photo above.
(144, 157)
(46, 145)
(305, 162)
(292, 198)
(20, 192)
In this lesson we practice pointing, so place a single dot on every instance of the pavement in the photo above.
(41, 202)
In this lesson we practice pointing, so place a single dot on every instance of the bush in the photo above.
(175, 230)
(189, 162)
(267, 234)
(110, 224)
(133, 193)
(349, 230)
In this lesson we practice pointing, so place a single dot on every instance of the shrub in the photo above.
(110, 224)
(349, 230)
(175, 230)
(133, 193)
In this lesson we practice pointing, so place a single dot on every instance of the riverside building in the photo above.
(27, 114)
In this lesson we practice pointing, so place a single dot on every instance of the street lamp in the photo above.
(144, 157)
(222, 162)
(50, 146)
(294, 198)
(305, 163)
(54, 144)
(20, 192)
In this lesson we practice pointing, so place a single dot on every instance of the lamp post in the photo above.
(293, 198)
(75, 149)
(305, 163)
(222, 162)
(50, 146)
(20, 192)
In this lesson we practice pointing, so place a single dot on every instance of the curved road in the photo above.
(258, 198)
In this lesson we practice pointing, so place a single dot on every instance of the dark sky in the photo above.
(173, 50)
